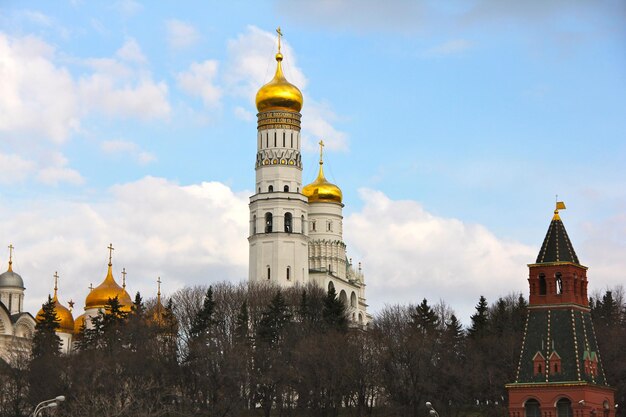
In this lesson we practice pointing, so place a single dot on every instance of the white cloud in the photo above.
(131, 52)
(318, 125)
(129, 148)
(37, 96)
(55, 171)
(186, 234)
(14, 168)
(199, 81)
(243, 114)
(451, 47)
(409, 254)
(181, 35)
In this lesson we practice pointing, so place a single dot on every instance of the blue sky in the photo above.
(450, 128)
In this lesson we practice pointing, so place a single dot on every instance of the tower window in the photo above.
(283, 139)
(269, 273)
(286, 188)
(274, 139)
(266, 141)
(302, 224)
(329, 226)
(288, 222)
(313, 225)
(292, 140)
(288, 273)
(270, 188)
(542, 284)
(254, 225)
(268, 222)
(559, 283)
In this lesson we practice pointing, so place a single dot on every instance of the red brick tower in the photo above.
(560, 373)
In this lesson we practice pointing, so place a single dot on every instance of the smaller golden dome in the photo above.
(78, 323)
(66, 320)
(279, 94)
(99, 296)
(321, 190)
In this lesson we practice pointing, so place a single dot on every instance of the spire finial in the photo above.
(280, 35)
(321, 143)
(11, 256)
(56, 282)
(71, 304)
(90, 287)
(111, 249)
(559, 206)
(124, 278)
(159, 287)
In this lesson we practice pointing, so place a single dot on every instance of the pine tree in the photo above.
(46, 342)
(334, 312)
(242, 329)
(204, 318)
(479, 320)
(274, 320)
(138, 307)
(425, 318)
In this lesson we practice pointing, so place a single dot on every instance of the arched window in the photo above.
(360, 318)
(288, 223)
(268, 222)
(266, 141)
(331, 286)
(269, 272)
(254, 224)
(288, 273)
(292, 139)
(259, 190)
(313, 225)
(302, 224)
(270, 188)
(353, 300)
(542, 284)
(274, 139)
(283, 139)
(559, 283)
(343, 298)
(531, 408)
(286, 188)
(563, 408)
(329, 226)
(556, 368)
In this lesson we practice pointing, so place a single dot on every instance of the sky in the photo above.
(450, 127)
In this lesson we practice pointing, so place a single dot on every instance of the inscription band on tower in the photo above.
(279, 120)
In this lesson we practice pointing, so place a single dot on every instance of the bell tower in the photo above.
(560, 371)
(278, 238)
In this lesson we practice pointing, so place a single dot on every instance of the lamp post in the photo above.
(54, 402)
(432, 412)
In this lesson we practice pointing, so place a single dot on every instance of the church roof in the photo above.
(556, 246)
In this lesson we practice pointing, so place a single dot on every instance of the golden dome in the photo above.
(279, 94)
(78, 323)
(321, 190)
(99, 296)
(66, 320)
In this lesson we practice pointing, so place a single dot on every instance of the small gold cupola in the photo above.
(99, 296)
(321, 190)
(279, 94)
(66, 320)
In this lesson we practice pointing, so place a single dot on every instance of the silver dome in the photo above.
(11, 279)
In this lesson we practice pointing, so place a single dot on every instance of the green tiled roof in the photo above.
(556, 246)
(569, 333)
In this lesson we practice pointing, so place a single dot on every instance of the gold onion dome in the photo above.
(99, 296)
(66, 320)
(321, 190)
(78, 323)
(279, 94)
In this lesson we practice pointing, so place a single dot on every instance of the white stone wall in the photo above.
(13, 299)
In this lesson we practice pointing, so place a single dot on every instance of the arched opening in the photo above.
(559, 283)
(268, 222)
(313, 225)
(343, 297)
(288, 273)
(360, 318)
(353, 300)
(269, 272)
(288, 223)
(542, 284)
(270, 189)
(302, 224)
(564, 408)
(254, 224)
(556, 368)
(286, 188)
(532, 408)
(331, 286)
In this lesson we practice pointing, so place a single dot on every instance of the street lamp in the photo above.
(432, 412)
(54, 402)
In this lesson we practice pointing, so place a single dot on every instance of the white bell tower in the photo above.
(278, 211)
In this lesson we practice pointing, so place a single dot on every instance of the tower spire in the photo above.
(11, 257)
(559, 206)
(56, 283)
(124, 278)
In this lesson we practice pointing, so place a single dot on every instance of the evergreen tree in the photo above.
(242, 329)
(479, 320)
(424, 317)
(204, 318)
(334, 312)
(138, 307)
(46, 342)
(274, 321)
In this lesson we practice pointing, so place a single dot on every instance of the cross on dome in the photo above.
(111, 249)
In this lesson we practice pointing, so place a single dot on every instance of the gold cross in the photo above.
(11, 252)
(90, 287)
(56, 281)
(159, 285)
(321, 143)
(110, 248)
(123, 277)
(280, 35)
